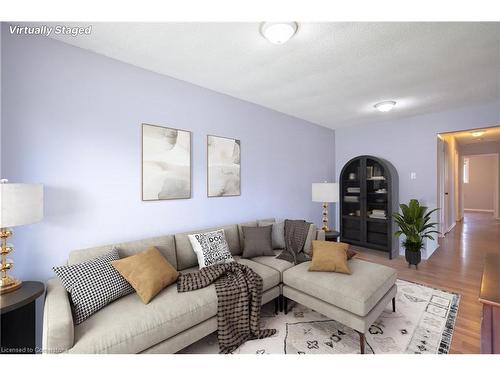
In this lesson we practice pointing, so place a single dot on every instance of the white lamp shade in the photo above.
(325, 192)
(20, 204)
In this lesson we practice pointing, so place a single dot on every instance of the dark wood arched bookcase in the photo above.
(368, 197)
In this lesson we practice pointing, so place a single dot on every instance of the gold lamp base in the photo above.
(325, 217)
(7, 283)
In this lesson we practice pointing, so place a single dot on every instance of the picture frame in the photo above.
(223, 166)
(166, 172)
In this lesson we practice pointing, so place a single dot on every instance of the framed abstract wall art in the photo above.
(223, 166)
(166, 163)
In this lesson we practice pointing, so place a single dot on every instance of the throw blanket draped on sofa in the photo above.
(295, 238)
(239, 296)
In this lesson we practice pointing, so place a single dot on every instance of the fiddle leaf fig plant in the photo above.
(414, 223)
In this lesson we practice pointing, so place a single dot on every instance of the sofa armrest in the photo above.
(58, 328)
(320, 235)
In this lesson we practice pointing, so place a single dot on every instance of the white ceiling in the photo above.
(328, 73)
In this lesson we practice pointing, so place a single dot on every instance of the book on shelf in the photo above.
(348, 198)
(371, 216)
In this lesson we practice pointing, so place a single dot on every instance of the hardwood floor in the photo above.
(457, 266)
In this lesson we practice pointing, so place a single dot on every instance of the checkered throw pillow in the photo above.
(93, 284)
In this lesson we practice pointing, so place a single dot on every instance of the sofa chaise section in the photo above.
(355, 300)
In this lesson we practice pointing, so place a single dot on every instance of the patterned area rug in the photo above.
(423, 324)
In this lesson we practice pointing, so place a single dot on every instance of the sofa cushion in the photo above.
(278, 232)
(164, 244)
(258, 241)
(211, 248)
(311, 235)
(129, 326)
(262, 222)
(357, 293)
(148, 273)
(93, 284)
(186, 256)
(329, 257)
(270, 277)
(240, 231)
(276, 264)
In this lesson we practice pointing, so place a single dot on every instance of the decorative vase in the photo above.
(413, 257)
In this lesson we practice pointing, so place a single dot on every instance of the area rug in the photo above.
(422, 324)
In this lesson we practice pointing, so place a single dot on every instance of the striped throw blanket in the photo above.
(239, 296)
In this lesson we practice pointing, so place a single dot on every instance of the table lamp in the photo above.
(325, 192)
(20, 204)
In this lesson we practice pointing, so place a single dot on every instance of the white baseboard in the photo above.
(478, 210)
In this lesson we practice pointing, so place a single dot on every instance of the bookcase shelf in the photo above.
(369, 174)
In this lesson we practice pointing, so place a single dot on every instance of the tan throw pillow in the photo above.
(329, 257)
(148, 272)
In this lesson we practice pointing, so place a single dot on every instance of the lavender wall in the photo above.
(72, 121)
(411, 145)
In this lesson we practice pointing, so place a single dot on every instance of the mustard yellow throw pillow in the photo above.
(329, 257)
(148, 272)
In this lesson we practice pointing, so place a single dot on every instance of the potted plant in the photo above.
(413, 222)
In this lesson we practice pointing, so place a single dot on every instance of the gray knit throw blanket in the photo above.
(295, 238)
(239, 296)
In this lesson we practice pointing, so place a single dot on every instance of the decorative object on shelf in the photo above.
(367, 204)
(325, 192)
(166, 163)
(350, 198)
(352, 176)
(369, 172)
(377, 214)
(223, 166)
(20, 204)
(413, 222)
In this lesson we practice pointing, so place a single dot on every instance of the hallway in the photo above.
(457, 266)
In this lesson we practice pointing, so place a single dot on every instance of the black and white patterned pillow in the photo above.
(93, 284)
(211, 248)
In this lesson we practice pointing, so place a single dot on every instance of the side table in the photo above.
(332, 235)
(17, 318)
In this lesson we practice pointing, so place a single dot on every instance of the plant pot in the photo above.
(413, 257)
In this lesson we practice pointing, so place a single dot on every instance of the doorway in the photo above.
(468, 167)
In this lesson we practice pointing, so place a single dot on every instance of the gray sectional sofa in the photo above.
(172, 321)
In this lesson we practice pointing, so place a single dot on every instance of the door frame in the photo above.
(440, 186)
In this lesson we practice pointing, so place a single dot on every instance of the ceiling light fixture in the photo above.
(278, 32)
(477, 134)
(385, 106)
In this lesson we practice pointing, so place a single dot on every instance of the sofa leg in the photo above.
(276, 305)
(393, 304)
(285, 303)
(281, 302)
(361, 342)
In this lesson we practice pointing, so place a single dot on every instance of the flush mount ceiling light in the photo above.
(477, 134)
(278, 32)
(385, 106)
